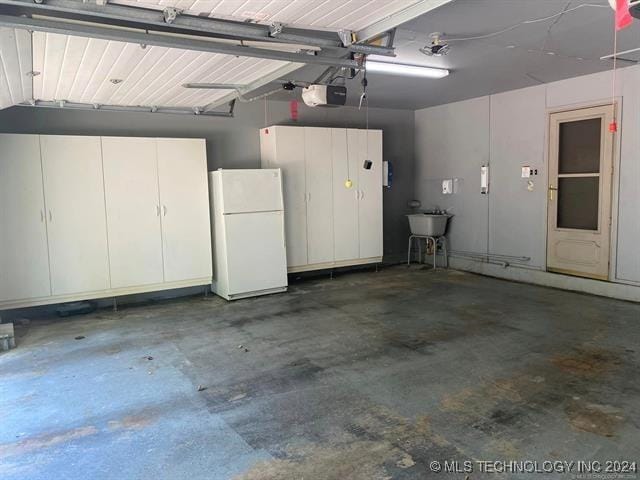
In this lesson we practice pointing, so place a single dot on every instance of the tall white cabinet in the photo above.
(91, 217)
(135, 232)
(76, 223)
(327, 223)
(23, 225)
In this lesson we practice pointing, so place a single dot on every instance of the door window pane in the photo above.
(580, 146)
(578, 203)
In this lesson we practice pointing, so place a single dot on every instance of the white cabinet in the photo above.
(370, 195)
(284, 148)
(133, 211)
(184, 199)
(93, 217)
(319, 189)
(77, 227)
(24, 260)
(345, 218)
(329, 221)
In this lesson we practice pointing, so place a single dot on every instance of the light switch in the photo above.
(484, 179)
(526, 171)
(447, 186)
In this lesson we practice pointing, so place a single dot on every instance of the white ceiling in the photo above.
(319, 14)
(82, 70)
(532, 53)
(15, 65)
(79, 69)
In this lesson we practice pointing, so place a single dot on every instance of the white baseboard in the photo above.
(555, 280)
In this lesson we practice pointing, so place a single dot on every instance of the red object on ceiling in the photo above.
(293, 109)
(623, 17)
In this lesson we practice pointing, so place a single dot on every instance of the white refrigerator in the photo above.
(247, 219)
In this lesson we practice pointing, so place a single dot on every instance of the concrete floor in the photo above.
(366, 376)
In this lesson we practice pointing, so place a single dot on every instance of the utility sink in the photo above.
(428, 224)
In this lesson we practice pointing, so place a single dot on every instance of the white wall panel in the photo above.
(15, 63)
(518, 137)
(517, 216)
(452, 142)
(628, 220)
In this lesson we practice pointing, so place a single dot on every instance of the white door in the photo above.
(74, 193)
(24, 260)
(251, 190)
(344, 161)
(133, 211)
(256, 256)
(579, 208)
(319, 195)
(370, 193)
(290, 158)
(184, 199)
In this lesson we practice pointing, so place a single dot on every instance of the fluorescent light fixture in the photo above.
(406, 70)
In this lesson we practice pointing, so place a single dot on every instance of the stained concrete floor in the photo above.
(366, 376)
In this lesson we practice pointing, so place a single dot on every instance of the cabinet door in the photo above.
(24, 262)
(74, 193)
(290, 158)
(344, 160)
(319, 195)
(184, 199)
(370, 205)
(133, 211)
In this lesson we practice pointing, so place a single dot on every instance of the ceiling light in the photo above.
(115, 81)
(406, 70)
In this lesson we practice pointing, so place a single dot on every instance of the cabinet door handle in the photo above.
(361, 194)
(309, 196)
(164, 210)
(50, 216)
(42, 216)
(157, 210)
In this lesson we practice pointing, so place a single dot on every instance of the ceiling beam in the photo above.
(153, 19)
(129, 108)
(250, 87)
(168, 41)
(398, 18)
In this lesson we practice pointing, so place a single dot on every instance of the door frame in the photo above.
(614, 179)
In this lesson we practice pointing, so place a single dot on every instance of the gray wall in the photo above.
(508, 131)
(234, 142)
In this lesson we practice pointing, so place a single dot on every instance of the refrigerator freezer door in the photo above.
(251, 191)
(256, 255)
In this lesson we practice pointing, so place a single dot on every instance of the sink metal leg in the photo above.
(446, 253)
(409, 250)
